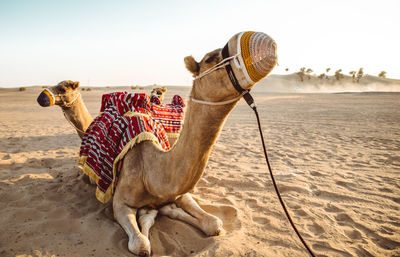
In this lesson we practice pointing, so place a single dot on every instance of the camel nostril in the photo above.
(44, 100)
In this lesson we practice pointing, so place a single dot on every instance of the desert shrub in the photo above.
(353, 75)
(301, 73)
(22, 88)
(360, 74)
(338, 74)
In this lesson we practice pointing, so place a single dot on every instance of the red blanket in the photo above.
(170, 115)
(125, 120)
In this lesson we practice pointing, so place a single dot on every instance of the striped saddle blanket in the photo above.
(125, 120)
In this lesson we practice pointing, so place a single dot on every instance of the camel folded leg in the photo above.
(138, 243)
(186, 209)
(146, 220)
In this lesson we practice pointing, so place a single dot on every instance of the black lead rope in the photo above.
(253, 106)
(250, 101)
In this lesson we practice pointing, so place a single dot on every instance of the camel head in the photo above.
(64, 94)
(224, 73)
(159, 92)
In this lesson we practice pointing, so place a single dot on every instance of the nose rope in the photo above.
(250, 101)
(254, 107)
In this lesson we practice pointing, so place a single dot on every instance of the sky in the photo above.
(121, 42)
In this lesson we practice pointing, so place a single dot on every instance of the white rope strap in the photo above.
(215, 103)
(219, 65)
(70, 104)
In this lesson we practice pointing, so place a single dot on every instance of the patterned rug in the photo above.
(124, 121)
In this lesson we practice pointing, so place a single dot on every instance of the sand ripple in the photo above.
(336, 160)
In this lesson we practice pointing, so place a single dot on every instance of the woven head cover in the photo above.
(257, 56)
(46, 98)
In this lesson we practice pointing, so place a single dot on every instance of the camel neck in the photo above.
(188, 159)
(79, 116)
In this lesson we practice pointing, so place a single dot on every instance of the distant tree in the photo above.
(308, 71)
(360, 74)
(327, 71)
(287, 69)
(338, 74)
(382, 74)
(353, 75)
(322, 76)
(301, 73)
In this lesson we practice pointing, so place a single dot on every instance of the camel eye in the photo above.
(210, 59)
(213, 57)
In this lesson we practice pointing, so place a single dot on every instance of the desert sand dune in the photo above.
(335, 156)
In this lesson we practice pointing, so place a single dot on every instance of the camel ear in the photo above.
(70, 84)
(75, 84)
(192, 65)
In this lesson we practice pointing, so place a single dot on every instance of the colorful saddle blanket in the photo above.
(125, 120)
(170, 115)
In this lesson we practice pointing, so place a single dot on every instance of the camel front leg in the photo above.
(186, 209)
(138, 243)
(146, 220)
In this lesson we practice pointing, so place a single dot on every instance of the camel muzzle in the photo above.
(247, 57)
(46, 98)
(256, 57)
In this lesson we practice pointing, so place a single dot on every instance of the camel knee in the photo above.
(170, 210)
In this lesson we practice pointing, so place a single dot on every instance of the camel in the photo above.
(159, 92)
(66, 94)
(147, 187)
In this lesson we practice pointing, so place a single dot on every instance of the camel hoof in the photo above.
(144, 254)
(139, 246)
(219, 232)
(213, 226)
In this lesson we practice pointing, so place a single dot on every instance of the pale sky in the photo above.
(106, 43)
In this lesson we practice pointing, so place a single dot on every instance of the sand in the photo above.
(336, 158)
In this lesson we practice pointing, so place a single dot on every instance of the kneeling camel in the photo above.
(156, 181)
